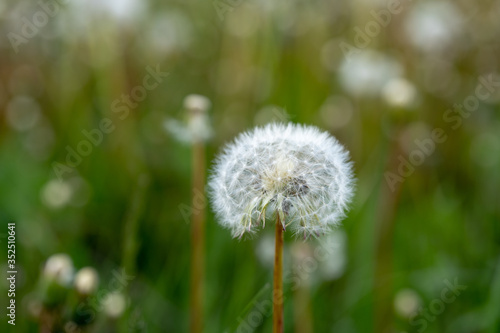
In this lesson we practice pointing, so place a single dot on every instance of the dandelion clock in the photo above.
(296, 176)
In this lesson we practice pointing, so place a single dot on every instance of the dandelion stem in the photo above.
(197, 239)
(278, 279)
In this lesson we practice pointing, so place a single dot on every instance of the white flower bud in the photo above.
(86, 281)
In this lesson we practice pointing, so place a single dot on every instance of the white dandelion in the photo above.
(297, 174)
(293, 172)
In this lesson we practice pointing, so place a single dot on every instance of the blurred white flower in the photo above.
(366, 72)
(114, 304)
(23, 113)
(265, 250)
(59, 268)
(334, 266)
(169, 32)
(198, 127)
(296, 171)
(433, 26)
(178, 130)
(56, 193)
(399, 92)
(125, 10)
(86, 280)
(407, 302)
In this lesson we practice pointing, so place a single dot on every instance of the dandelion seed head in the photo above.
(298, 172)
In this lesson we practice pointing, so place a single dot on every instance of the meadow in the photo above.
(99, 167)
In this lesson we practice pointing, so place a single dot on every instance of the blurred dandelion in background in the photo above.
(407, 303)
(56, 194)
(86, 280)
(197, 126)
(434, 26)
(114, 304)
(364, 74)
(399, 92)
(59, 268)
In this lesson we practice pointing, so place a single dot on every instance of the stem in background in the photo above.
(384, 251)
(131, 225)
(197, 239)
(278, 279)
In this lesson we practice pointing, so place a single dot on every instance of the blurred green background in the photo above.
(380, 76)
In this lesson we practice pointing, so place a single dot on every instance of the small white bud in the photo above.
(197, 103)
(86, 281)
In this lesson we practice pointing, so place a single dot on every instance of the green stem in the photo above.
(131, 225)
(197, 239)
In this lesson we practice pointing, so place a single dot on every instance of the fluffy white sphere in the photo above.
(298, 172)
